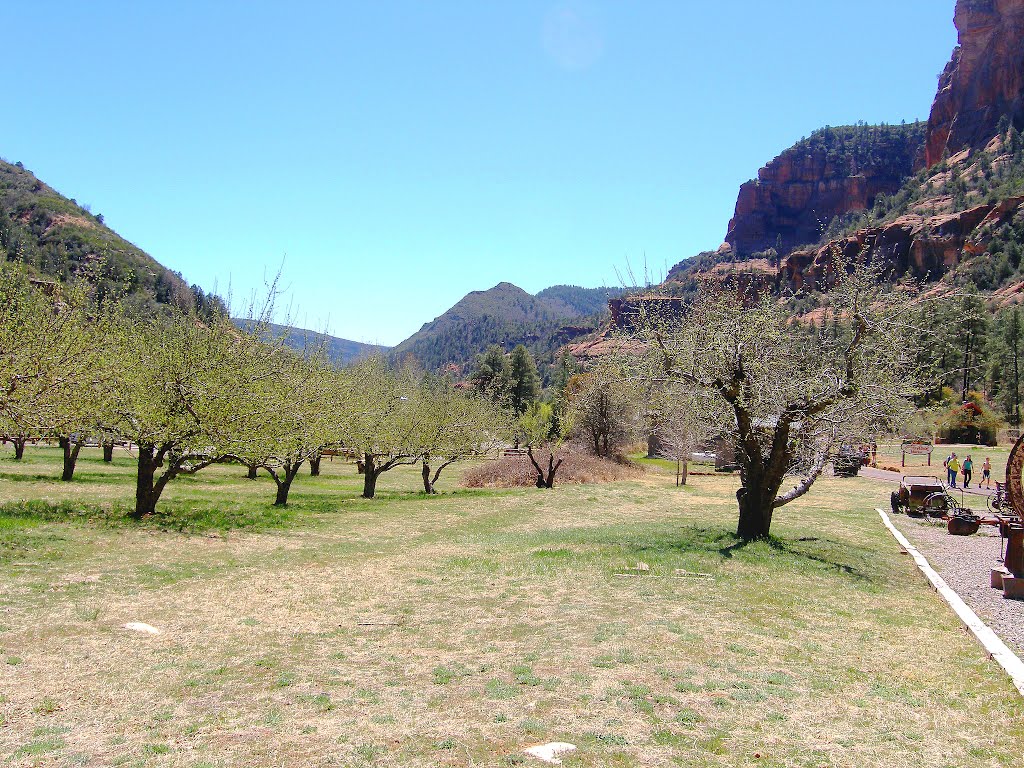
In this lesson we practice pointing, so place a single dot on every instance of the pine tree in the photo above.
(525, 381)
(492, 374)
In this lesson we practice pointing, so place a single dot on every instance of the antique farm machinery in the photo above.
(926, 495)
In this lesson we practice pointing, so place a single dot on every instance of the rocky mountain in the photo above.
(983, 84)
(57, 238)
(507, 315)
(830, 174)
(959, 218)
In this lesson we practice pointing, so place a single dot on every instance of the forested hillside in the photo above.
(507, 315)
(573, 301)
(56, 238)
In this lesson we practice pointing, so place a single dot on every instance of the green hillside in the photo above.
(507, 315)
(57, 239)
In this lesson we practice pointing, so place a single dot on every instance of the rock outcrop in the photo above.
(835, 172)
(925, 247)
(984, 80)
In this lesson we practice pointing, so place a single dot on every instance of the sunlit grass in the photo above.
(456, 630)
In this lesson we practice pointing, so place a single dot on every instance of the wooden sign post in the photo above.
(917, 448)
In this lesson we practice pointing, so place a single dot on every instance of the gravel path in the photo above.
(965, 563)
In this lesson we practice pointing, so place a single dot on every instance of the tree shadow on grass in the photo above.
(803, 553)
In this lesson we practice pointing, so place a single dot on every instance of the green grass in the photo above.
(408, 631)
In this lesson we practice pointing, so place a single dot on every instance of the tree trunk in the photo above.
(145, 485)
(71, 450)
(968, 348)
(370, 475)
(284, 483)
(1016, 383)
(19, 447)
(251, 474)
(755, 513)
(428, 487)
(108, 451)
(545, 478)
(314, 465)
(549, 480)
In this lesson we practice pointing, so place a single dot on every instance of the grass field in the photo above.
(457, 630)
(890, 457)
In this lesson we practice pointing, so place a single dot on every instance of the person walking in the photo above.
(986, 473)
(952, 469)
(968, 470)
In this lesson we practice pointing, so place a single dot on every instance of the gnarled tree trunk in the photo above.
(314, 465)
(545, 478)
(755, 513)
(71, 449)
(370, 475)
(149, 485)
(428, 486)
(251, 474)
(19, 447)
(373, 469)
(146, 492)
(284, 480)
(108, 451)
(430, 481)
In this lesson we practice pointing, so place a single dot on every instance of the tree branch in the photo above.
(805, 484)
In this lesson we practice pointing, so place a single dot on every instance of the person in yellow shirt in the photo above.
(952, 469)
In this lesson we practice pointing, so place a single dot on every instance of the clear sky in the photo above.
(396, 154)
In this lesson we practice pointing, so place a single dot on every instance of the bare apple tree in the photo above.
(792, 389)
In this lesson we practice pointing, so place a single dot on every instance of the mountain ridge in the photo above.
(507, 315)
(338, 350)
(57, 238)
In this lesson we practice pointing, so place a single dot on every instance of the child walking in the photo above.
(986, 472)
(968, 470)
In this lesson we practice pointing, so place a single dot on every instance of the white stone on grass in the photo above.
(549, 753)
(138, 626)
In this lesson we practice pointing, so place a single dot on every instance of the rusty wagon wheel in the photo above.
(1013, 502)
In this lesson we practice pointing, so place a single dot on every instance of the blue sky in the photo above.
(395, 155)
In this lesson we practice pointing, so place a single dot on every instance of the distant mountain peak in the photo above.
(507, 315)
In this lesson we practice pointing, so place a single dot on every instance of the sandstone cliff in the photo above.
(984, 80)
(833, 173)
(925, 247)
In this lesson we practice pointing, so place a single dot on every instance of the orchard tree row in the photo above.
(187, 393)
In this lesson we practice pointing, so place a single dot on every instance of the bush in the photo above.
(518, 472)
(973, 422)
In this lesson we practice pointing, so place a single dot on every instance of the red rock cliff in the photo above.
(835, 172)
(983, 81)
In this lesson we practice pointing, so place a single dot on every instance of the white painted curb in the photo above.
(996, 648)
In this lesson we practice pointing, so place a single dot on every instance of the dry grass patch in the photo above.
(576, 468)
(456, 631)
